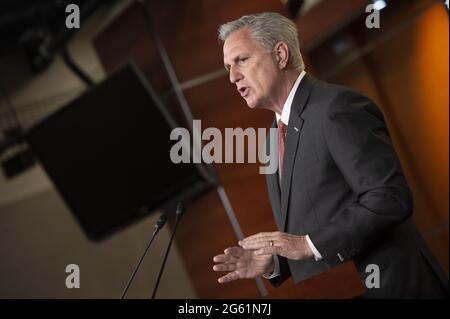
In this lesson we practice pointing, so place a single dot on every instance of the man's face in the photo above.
(252, 68)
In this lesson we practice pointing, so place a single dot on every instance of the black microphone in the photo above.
(158, 225)
(179, 212)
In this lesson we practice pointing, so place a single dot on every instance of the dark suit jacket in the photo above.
(342, 184)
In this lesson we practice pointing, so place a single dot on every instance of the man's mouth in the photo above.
(243, 91)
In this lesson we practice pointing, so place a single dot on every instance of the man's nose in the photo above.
(235, 75)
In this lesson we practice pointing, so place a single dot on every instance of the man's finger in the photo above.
(234, 251)
(258, 235)
(253, 240)
(268, 250)
(262, 237)
(260, 242)
(228, 277)
(255, 244)
(224, 259)
(224, 267)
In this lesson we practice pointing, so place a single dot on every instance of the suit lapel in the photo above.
(273, 183)
(292, 138)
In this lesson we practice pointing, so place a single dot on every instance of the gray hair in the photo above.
(268, 29)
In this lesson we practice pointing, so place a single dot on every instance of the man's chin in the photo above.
(251, 104)
(256, 106)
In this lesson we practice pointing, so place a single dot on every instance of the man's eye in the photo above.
(242, 60)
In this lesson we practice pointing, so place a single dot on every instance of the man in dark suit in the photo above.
(339, 193)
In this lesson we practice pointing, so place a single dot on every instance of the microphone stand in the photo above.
(158, 225)
(179, 213)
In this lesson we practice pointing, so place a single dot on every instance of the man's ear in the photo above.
(281, 52)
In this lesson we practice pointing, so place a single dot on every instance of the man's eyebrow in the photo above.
(235, 60)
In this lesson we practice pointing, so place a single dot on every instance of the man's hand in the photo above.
(242, 264)
(278, 243)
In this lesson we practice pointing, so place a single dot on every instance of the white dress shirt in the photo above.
(284, 116)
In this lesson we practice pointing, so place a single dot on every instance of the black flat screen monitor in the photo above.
(108, 154)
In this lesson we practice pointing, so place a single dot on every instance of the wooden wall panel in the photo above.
(417, 57)
(406, 74)
(127, 39)
(189, 30)
(325, 18)
(204, 232)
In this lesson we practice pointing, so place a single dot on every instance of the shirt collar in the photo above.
(287, 105)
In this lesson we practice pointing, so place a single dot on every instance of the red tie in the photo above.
(281, 138)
